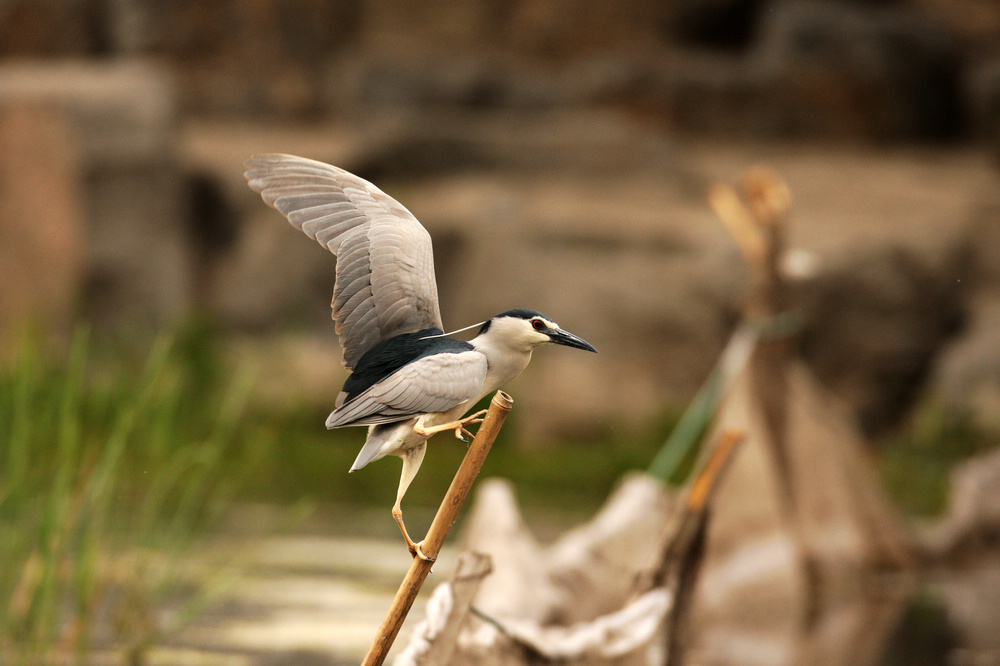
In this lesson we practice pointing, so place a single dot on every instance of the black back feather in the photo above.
(393, 353)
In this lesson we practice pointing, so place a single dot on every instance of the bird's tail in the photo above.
(383, 439)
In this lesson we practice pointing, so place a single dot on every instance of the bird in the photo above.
(408, 379)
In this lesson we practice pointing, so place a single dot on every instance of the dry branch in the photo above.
(434, 639)
(685, 548)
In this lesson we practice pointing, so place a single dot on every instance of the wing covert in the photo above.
(431, 384)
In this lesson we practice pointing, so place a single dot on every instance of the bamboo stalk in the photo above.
(500, 407)
(708, 478)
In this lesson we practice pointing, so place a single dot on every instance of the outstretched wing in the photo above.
(428, 385)
(385, 281)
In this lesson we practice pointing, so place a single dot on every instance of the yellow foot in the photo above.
(464, 435)
(457, 426)
(417, 551)
(411, 545)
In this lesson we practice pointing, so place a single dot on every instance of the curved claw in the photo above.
(417, 551)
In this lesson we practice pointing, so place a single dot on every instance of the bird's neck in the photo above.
(505, 360)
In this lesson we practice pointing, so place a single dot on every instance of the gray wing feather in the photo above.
(431, 384)
(385, 281)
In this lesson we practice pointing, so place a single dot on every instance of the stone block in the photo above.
(42, 228)
(121, 119)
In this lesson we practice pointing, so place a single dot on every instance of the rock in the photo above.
(54, 28)
(972, 524)
(967, 375)
(875, 324)
(975, 23)
(712, 23)
(42, 227)
(982, 96)
(120, 118)
(878, 70)
(237, 59)
(812, 69)
(984, 235)
(848, 70)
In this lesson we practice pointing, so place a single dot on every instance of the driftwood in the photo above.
(753, 596)
(817, 454)
(801, 518)
(609, 592)
(500, 407)
(433, 639)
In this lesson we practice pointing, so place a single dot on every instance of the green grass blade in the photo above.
(678, 454)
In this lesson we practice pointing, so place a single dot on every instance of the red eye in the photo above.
(537, 324)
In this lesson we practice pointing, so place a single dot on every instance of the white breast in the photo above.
(503, 364)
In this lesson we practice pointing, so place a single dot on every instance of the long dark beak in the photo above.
(561, 337)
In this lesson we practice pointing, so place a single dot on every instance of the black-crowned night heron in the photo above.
(408, 379)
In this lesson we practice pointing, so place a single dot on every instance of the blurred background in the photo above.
(167, 351)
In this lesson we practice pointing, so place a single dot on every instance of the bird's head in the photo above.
(526, 329)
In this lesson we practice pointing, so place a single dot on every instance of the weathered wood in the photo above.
(470, 571)
(767, 201)
(826, 496)
(500, 407)
(685, 549)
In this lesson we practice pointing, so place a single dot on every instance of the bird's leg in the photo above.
(457, 426)
(411, 463)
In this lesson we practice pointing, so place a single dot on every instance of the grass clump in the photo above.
(915, 464)
(106, 477)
